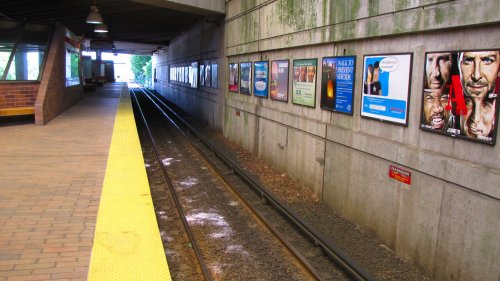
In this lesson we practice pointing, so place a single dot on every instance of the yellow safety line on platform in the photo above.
(127, 244)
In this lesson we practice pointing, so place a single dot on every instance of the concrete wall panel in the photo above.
(337, 179)
(273, 143)
(418, 219)
(286, 24)
(371, 199)
(468, 247)
(305, 159)
(240, 126)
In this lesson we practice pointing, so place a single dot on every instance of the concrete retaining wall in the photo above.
(448, 219)
(203, 43)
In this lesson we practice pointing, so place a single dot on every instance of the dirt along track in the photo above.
(235, 245)
(371, 254)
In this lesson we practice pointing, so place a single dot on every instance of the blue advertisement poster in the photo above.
(386, 87)
(337, 83)
(260, 78)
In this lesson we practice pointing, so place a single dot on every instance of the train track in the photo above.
(314, 254)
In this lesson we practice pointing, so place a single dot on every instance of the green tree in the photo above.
(141, 67)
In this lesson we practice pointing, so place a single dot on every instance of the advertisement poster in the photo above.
(279, 80)
(460, 94)
(337, 83)
(386, 87)
(260, 78)
(193, 74)
(233, 77)
(304, 82)
(208, 75)
(245, 78)
(202, 75)
(215, 76)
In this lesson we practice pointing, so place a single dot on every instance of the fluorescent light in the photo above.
(101, 28)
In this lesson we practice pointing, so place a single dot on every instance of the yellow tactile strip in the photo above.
(127, 243)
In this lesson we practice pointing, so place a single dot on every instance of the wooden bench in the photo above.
(14, 111)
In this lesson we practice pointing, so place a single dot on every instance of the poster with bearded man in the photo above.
(460, 94)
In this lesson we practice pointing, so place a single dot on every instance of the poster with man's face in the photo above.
(460, 94)
(304, 82)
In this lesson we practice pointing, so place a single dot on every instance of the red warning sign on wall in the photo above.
(399, 174)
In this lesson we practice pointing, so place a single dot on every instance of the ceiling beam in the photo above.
(200, 7)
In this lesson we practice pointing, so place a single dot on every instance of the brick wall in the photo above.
(18, 94)
(53, 96)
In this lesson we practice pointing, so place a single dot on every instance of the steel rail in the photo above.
(171, 188)
(261, 218)
(334, 252)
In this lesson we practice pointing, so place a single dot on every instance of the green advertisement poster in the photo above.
(304, 82)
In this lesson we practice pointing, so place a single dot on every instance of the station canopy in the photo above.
(134, 26)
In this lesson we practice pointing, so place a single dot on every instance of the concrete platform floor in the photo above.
(50, 185)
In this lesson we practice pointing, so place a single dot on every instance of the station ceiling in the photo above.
(140, 22)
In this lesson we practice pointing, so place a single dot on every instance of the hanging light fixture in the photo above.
(94, 16)
(101, 28)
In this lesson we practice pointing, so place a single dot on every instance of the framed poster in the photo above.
(337, 83)
(260, 78)
(233, 77)
(304, 82)
(194, 74)
(215, 76)
(246, 78)
(386, 87)
(202, 75)
(208, 75)
(460, 94)
(279, 80)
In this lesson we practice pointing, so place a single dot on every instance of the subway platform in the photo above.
(63, 204)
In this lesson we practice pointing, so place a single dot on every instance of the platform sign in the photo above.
(386, 87)
(400, 174)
